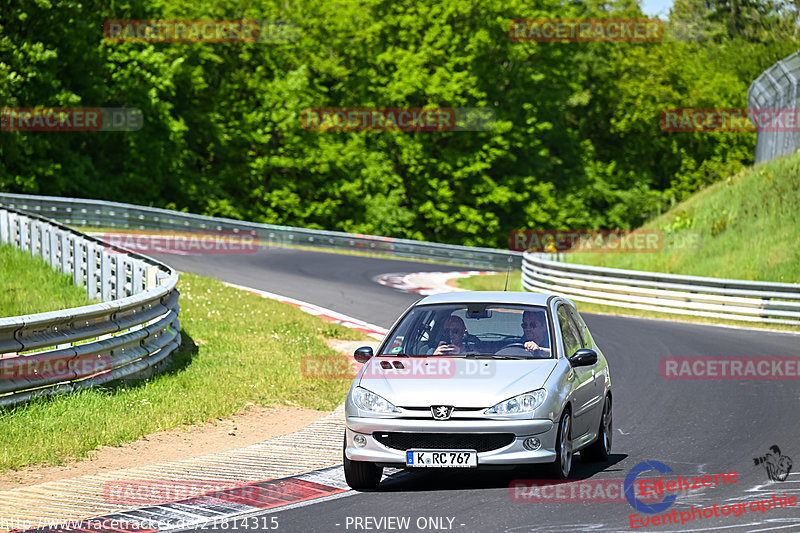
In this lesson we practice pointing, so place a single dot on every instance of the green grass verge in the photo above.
(239, 349)
(495, 282)
(32, 286)
(750, 227)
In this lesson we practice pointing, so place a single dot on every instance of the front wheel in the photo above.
(563, 463)
(359, 474)
(600, 449)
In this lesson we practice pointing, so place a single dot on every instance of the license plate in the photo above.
(442, 458)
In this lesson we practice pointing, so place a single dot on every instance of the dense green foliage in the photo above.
(577, 142)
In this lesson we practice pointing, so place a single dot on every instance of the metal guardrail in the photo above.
(134, 328)
(102, 214)
(776, 89)
(667, 293)
(753, 301)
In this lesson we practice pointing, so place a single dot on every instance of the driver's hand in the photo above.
(531, 346)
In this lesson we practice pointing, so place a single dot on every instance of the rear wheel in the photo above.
(600, 449)
(361, 475)
(563, 463)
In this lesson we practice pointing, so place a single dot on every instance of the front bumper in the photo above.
(512, 454)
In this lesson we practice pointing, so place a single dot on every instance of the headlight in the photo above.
(369, 401)
(524, 403)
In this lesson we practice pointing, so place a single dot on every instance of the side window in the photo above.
(584, 331)
(569, 332)
(422, 336)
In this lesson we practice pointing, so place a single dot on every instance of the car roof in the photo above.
(499, 297)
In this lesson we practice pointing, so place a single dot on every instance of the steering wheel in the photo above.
(517, 348)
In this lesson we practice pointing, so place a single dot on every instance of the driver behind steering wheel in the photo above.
(534, 333)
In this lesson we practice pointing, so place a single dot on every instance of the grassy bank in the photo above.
(238, 349)
(32, 286)
(749, 225)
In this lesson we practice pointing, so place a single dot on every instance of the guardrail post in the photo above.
(24, 233)
(14, 229)
(91, 271)
(137, 276)
(66, 245)
(114, 276)
(105, 276)
(77, 261)
(36, 236)
(53, 248)
(151, 278)
(3, 226)
(44, 242)
(122, 277)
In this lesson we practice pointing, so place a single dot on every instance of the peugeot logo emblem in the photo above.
(441, 412)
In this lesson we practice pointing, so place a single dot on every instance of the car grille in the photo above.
(444, 441)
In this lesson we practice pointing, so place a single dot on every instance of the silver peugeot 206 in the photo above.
(479, 380)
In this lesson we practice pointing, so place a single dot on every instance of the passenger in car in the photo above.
(534, 333)
(454, 330)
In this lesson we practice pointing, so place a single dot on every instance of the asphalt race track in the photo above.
(695, 427)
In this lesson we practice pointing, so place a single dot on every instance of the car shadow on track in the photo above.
(453, 479)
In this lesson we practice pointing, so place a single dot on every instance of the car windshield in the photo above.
(485, 330)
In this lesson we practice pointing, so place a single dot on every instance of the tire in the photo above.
(600, 449)
(361, 475)
(563, 464)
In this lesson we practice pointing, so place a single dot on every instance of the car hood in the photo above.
(458, 382)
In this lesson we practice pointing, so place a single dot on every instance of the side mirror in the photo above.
(363, 354)
(583, 357)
